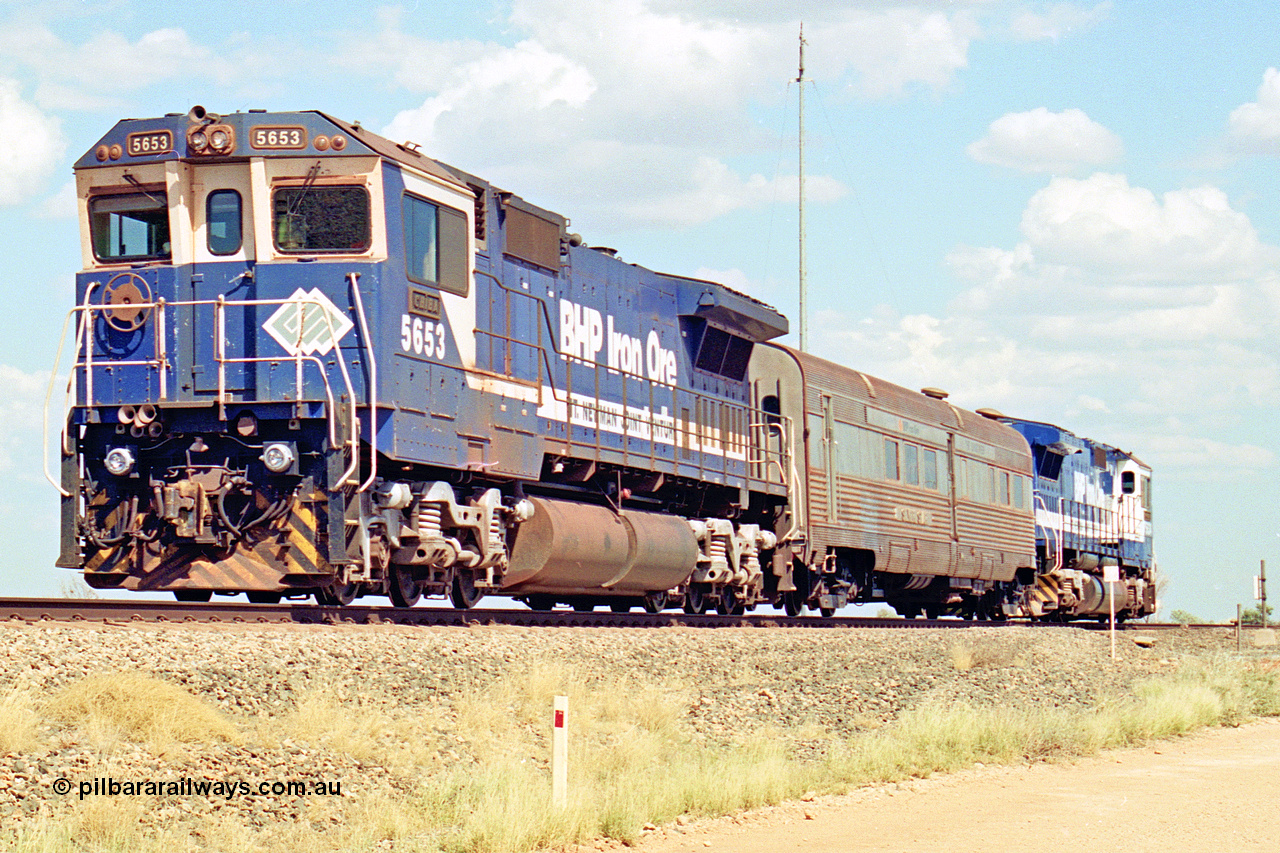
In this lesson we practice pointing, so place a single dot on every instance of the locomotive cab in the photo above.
(234, 273)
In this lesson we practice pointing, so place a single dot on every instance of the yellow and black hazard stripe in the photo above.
(1046, 592)
(262, 560)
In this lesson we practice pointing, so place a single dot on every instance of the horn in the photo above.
(197, 113)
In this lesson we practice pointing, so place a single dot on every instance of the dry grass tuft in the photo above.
(139, 708)
(990, 654)
(18, 721)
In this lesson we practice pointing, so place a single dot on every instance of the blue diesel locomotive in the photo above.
(1093, 515)
(311, 361)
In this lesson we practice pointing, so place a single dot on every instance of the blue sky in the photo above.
(1067, 211)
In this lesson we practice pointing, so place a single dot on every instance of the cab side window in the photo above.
(435, 245)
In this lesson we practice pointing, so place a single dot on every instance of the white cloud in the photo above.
(31, 146)
(711, 189)
(1255, 126)
(526, 78)
(60, 205)
(1138, 319)
(93, 74)
(1206, 456)
(1104, 224)
(894, 48)
(1042, 141)
(1057, 21)
(643, 103)
(21, 419)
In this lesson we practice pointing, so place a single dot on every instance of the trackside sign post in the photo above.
(1111, 577)
(560, 753)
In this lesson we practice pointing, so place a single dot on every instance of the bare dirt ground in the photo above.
(1211, 792)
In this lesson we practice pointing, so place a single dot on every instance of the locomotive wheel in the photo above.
(463, 592)
(730, 605)
(792, 603)
(583, 607)
(695, 600)
(263, 597)
(620, 606)
(336, 594)
(402, 589)
(540, 602)
(193, 595)
(827, 612)
(655, 602)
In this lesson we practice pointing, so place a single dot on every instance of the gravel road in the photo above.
(1207, 793)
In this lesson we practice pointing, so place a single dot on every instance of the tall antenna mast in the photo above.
(804, 287)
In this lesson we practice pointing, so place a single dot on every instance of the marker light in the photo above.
(119, 461)
(277, 457)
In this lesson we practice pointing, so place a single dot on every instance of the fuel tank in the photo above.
(571, 548)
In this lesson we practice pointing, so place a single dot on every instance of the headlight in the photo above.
(119, 461)
(198, 141)
(277, 457)
(219, 140)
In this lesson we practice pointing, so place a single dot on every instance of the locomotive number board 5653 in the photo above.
(276, 137)
(153, 142)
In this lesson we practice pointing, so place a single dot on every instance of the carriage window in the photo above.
(930, 469)
(222, 221)
(1018, 494)
(1002, 484)
(310, 219)
(890, 459)
(435, 245)
(1127, 482)
(130, 226)
(911, 464)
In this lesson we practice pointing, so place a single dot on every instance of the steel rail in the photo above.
(125, 611)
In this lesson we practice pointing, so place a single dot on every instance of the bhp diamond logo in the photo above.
(308, 323)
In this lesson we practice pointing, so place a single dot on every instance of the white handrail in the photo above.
(85, 362)
(354, 279)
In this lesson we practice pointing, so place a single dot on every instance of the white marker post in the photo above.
(1111, 577)
(560, 753)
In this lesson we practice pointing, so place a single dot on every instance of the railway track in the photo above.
(120, 611)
